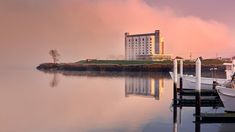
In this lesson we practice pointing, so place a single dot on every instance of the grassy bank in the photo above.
(122, 62)
(129, 66)
(147, 62)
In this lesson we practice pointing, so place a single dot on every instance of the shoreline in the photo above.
(157, 67)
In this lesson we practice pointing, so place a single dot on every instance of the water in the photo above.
(34, 101)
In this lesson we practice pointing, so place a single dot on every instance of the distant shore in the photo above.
(128, 66)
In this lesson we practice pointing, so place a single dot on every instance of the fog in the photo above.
(95, 29)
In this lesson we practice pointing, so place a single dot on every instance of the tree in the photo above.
(55, 55)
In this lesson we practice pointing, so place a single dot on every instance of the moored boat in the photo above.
(227, 96)
(189, 81)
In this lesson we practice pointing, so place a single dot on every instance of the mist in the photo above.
(95, 29)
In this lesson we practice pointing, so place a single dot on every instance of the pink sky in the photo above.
(95, 29)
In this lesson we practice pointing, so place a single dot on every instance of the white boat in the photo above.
(189, 81)
(227, 96)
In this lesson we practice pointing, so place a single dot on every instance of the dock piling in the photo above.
(214, 84)
(175, 82)
(181, 75)
(198, 97)
(175, 96)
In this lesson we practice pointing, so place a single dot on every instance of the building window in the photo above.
(150, 38)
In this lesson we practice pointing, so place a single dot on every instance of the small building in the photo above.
(149, 46)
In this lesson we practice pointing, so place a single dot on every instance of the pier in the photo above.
(197, 97)
(216, 118)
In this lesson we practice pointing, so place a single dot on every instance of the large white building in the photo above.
(147, 46)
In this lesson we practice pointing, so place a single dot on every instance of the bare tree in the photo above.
(55, 55)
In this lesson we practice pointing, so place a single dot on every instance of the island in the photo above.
(130, 66)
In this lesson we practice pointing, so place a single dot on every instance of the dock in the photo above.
(210, 102)
(217, 117)
(192, 92)
(209, 98)
(197, 97)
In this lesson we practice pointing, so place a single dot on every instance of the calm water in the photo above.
(34, 101)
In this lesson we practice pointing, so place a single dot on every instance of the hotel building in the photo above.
(149, 46)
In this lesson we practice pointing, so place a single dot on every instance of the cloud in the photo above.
(95, 29)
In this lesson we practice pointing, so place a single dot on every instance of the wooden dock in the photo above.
(217, 117)
(209, 98)
(210, 102)
(198, 98)
(192, 92)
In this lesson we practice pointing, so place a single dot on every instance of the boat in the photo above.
(227, 96)
(189, 81)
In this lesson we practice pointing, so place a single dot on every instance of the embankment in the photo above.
(158, 67)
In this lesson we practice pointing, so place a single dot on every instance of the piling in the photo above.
(175, 96)
(175, 128)
(181, 75)
(198, 97)
(214, 84)
(181, 81)
(175, 82)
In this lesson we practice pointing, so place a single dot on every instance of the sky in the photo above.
(81, 29)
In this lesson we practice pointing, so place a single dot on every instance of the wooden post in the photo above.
(175, 82)
(175, 128)
(181, 75)
(181, 82)
(175, 96)
(214, 84)
(198, 98)
(198, 75)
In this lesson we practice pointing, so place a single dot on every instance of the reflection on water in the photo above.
(146, 87)
(55, 80)
(90, 102)
(228, 127)
(156, 75)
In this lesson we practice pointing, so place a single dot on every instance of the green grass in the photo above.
(123, 62)
(146, 62)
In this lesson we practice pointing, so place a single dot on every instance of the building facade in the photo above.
(144, 46)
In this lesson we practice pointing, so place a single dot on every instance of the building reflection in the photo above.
(146, 87)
